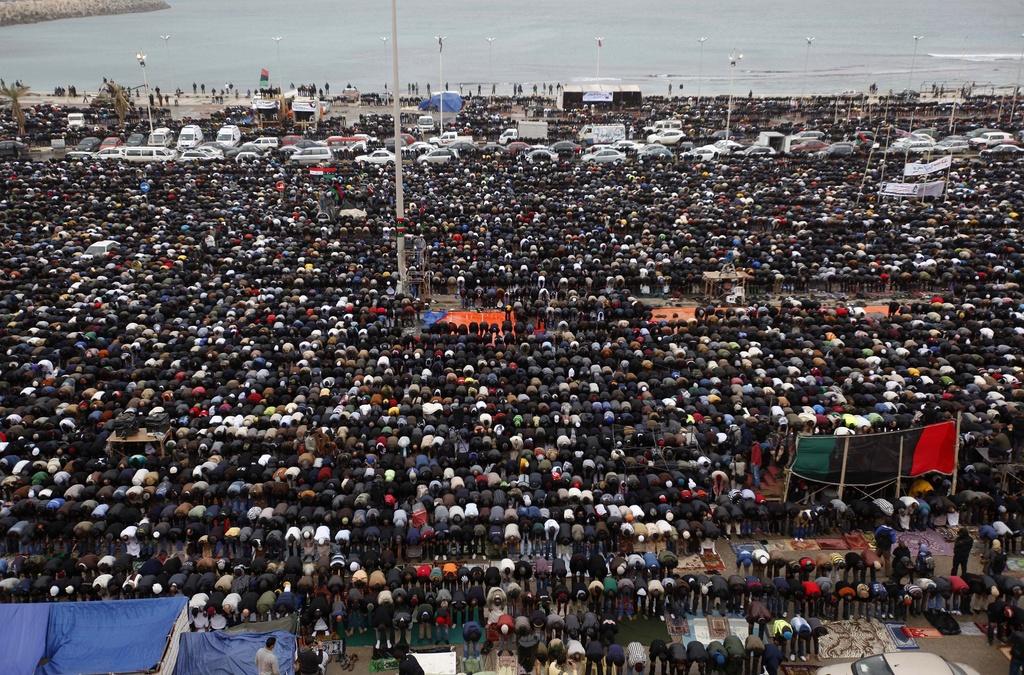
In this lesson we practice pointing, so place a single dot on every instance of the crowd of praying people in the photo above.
(312, 444)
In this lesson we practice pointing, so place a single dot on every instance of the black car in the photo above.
(12, 149)
(85, 148)
(136, 140)
(566, 148)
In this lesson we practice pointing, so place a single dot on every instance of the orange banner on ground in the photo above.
(673, 313)
(465, 318)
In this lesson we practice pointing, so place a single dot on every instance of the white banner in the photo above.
(931, 189)
(940, 164)
(597, 97)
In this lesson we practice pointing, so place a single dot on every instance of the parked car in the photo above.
(437, 156)
(898, 663)
(85, 148)
(627, 146)
(837, 150)
(566, 148)
(233, 152)
(111, 142)
(541, 155)
(267, 142)
(704, 153)
(377, 157)
(667, 137)
(319, 154)
(756, 150)
(807, 147)
(991, 139)
(604, 156)
(195, 155)
(12, 149)
(1002, 151)
(654, 152)
(953, 146)
(136, 140)
(111, 153)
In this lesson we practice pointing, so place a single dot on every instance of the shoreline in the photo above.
(24, 12)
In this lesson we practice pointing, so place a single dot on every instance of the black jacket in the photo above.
(962, 547)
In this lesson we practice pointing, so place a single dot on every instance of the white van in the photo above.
(229, 136)
(100, 248)
(315, 155)
(425, 123)
(146, 154)
(190, 137)
(161, 136)
(76, 120)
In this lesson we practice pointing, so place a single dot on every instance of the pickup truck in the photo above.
(525, 131)
(449, 137)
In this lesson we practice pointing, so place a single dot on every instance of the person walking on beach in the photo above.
(962, 551)
(266, 662)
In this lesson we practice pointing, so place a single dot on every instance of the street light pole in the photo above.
(700, 66)
(490, 60)
(600, 43)
(440, 76)
(1016, 88)
(734, 58)
(396, 113)
(913, 63)
(280, 80)
(807, 62)
(384, 40)
(170, 63)
(145, 78)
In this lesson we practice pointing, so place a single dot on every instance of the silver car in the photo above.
(604, 156)
(439, 156)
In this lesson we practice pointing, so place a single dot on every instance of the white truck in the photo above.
(449, 137)
(661, 125)
(426, 124)
(525, 131)
(592, 134)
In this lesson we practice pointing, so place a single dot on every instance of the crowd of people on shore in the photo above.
(527, 482)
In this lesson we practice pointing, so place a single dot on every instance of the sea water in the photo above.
(651, 43)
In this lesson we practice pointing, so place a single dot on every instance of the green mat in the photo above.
(383, 665)
(642, 630)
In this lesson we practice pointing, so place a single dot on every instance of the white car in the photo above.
(417, 148)
(604, 156)
(377, 157)
(195, 155)
(705, 153)
(727, 146)
(437, 156)
(267, 142)
(628, 146)
(756, 150)
(667, 137)
(317, 154)
(900, 663)
(110, 153)
(541, 155)
(991, 139)
(247, 156)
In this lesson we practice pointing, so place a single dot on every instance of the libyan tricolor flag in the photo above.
(876, 458)
(264, 77)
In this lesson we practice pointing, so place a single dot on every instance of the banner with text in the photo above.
(597, 97)
(941, 164)
(930, 189)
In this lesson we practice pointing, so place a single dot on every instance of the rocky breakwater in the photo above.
(14, 12)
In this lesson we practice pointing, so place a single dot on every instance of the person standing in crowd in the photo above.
(962, 552)
(266, 661)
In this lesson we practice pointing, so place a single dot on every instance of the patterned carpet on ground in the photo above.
(854, 639)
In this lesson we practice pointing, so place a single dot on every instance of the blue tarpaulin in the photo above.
(432, 317)
(23, 639)
(109, 637)
(452, 102)
(220, 653)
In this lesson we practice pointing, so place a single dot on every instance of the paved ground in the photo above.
(970, 650)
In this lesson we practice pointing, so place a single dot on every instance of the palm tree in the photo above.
(13, 93)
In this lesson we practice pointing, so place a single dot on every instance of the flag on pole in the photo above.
(264, 77)
(440, 45)
(600, 42)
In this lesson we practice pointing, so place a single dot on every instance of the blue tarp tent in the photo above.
(452, 102)
(109, 637)
(23, 639)
(220, 653)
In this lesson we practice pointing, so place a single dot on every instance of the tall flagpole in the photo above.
(600, 43)
(440, 76)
